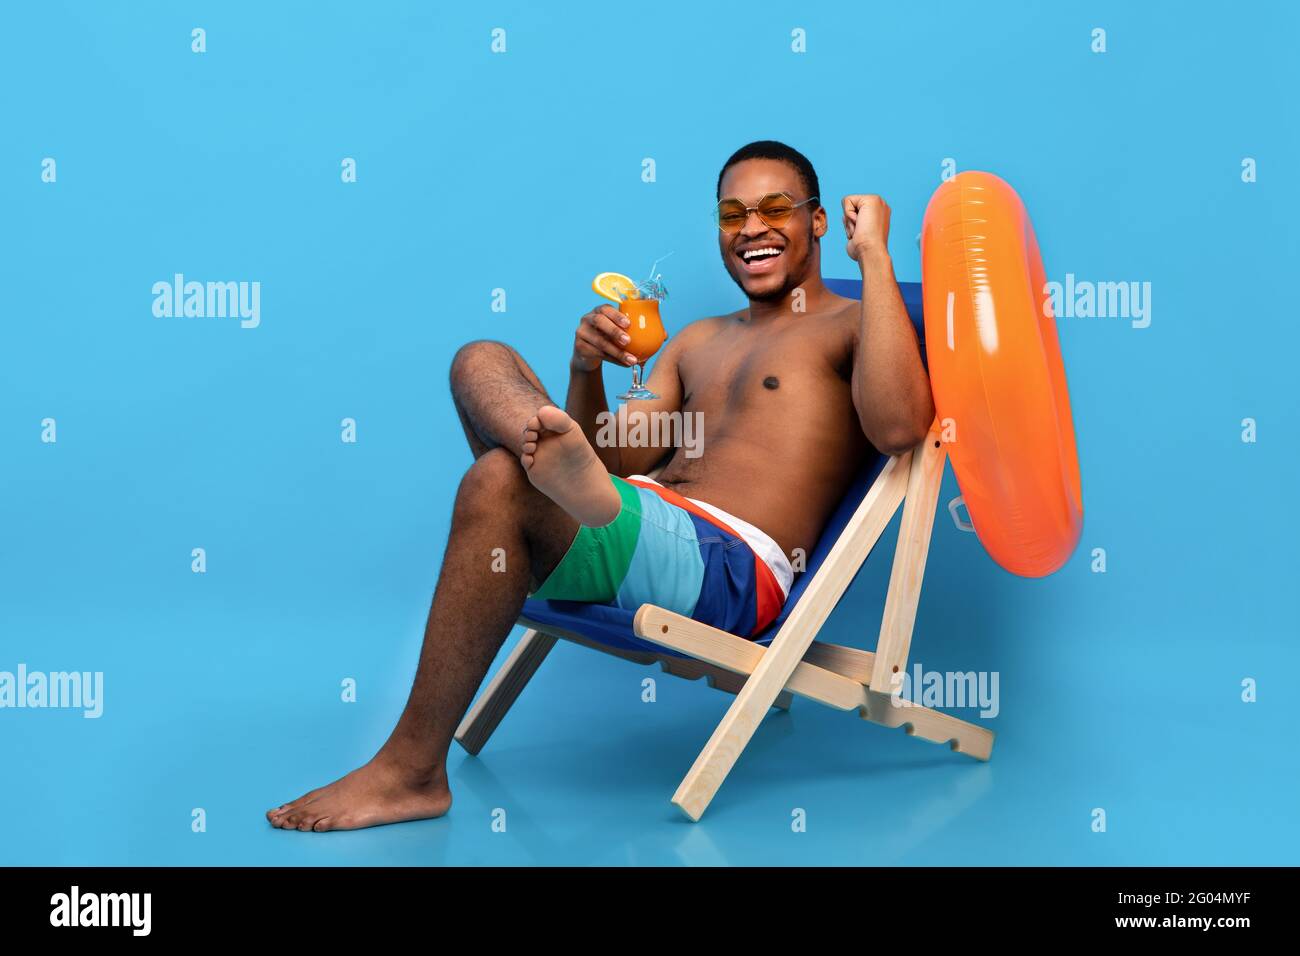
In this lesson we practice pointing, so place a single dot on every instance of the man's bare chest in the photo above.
(742, 367)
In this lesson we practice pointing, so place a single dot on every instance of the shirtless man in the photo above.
(793, 389)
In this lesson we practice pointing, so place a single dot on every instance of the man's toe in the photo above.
(554, 419)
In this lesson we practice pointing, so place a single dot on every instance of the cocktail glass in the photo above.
(646, 335)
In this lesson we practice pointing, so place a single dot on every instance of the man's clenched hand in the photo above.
(866, 224)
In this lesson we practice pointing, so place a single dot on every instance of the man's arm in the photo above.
(599, 341)
(891, 391)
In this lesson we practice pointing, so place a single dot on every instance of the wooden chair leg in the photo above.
(904, 594)
(503, 690)
(932, 725)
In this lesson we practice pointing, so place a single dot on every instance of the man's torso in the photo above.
(782, 439)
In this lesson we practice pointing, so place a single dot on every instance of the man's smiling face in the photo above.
(764, 276)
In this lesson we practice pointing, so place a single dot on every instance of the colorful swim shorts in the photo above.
(677, 553)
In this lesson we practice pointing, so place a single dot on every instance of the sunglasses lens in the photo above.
(775, 210)
(730, 215)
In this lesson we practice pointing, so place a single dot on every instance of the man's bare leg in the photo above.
(474, 607)
(570, 474)
(490, 382)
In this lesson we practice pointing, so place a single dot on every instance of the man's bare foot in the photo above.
(378, 793)
(562, 465)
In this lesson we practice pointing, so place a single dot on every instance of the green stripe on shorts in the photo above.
(596, 563)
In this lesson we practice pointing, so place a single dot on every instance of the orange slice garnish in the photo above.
(613, 286)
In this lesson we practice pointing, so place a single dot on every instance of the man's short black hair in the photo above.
(771, 149)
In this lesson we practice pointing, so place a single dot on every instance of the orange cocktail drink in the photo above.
(646, 333)
(639, 301)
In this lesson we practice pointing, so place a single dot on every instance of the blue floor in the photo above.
(1120, 691)
(236, 710)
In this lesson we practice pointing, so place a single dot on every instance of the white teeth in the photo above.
(749, 254)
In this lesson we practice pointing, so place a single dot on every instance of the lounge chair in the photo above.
(786, 658)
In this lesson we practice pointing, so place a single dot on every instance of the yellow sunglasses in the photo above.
(774, 209)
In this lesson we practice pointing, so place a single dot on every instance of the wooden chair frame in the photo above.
(845, 678)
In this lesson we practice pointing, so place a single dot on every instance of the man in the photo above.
(794, 390)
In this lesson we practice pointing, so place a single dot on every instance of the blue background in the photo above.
(522, 171)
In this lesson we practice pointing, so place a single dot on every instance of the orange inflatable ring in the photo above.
(996, 370)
